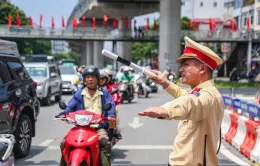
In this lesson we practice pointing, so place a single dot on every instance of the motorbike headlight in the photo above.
(83, 120)
(171, 77)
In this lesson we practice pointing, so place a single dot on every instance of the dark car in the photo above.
(19, 106)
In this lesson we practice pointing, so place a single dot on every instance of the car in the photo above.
(68, 75)
(48, 78)
(19, 106)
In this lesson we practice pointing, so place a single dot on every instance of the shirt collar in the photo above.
(204, 85)
(86, 93)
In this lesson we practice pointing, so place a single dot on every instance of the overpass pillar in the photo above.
(124, 48)
(98, 57)
(169, 41)
(83, 57)
(89, 52)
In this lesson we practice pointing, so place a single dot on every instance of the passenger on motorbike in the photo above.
(93, 98)
(129, 80)
(105, 81)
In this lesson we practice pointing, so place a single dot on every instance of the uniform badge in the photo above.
(196, 91)
(197, 94)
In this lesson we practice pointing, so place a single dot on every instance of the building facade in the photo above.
(257, 15)
(198, 8)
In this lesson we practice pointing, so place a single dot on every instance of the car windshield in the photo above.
(67, 70)
(37, 71)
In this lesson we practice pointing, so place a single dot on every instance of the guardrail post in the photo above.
(232, 92)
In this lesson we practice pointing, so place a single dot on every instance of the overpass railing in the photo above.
(111, 34)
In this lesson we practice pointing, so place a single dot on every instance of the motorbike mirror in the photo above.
(114, 91)
(107, 106)
(62, 105)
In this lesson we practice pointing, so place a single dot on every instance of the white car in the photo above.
(68, 75)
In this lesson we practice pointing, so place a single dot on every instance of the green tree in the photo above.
(24, 46)
(70, 55)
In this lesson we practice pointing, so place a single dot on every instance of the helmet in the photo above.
(109, 71)
(91, 70)
(103, 74)
(131, 69)
(126, 69)
(81, 68)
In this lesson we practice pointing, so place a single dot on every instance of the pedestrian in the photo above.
(199, 111)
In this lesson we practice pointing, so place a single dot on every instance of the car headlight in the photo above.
(83, 120)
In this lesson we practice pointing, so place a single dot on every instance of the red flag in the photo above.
(74, 23)
(154, 24)
(10, 21)
(31, 22)
(248, 23)
(115, 23)
(135, 24)
(126, 23)
(212, 25)
(63, 22)
(94, 24)
(105, 21)
(233, 25)
(147, 24)
(18, 20)
(41, 17)
(84, 24)
(52, 23)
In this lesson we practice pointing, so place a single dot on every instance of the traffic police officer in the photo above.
(200, 111)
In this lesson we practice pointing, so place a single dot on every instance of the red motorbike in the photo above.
(81, 142)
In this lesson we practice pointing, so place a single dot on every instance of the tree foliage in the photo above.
(24, 46)
(70, 55)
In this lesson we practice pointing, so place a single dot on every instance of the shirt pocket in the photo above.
(187, 128)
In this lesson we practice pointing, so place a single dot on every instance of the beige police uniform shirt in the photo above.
(200, 114)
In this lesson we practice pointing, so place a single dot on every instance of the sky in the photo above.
(57, 8)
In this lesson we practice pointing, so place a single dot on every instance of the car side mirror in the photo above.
(62, 105)
(53, 75)
(107, 106)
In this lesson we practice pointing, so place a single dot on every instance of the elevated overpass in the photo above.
(118, 9)
(100, 34)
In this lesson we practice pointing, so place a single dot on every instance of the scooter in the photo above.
(7, 142)
(125, 91)
(81, 142)
(143, 88)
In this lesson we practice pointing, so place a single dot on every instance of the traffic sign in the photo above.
(224, 47)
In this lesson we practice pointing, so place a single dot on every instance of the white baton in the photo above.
(127, 63)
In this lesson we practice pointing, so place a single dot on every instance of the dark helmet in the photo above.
(91, 70)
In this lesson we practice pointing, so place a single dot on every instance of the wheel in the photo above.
(139, 93)
(23, 136)
(58, 97)
(47, 100)
(147, 94)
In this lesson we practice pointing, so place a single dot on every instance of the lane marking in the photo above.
(223, 150)
(232, 157)
(46, 142)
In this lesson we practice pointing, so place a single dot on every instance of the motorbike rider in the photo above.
(93, 98)
(105, 81)
(79, 78)
(129, 78)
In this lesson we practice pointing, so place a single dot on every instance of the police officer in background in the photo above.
(199, 111)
